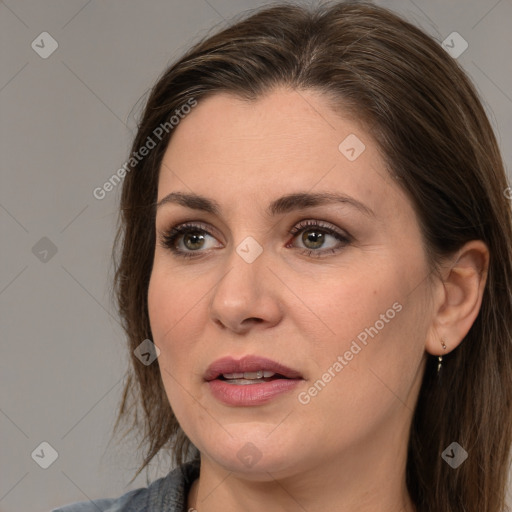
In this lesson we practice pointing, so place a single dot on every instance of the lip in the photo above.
(249, 394)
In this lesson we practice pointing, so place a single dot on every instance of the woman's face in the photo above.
(335, 290)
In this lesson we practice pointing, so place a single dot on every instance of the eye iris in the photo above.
(196, 236)
(313, 236)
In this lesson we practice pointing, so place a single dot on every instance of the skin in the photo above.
(345, 450)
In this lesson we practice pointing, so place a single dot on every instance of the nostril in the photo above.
(254, 319)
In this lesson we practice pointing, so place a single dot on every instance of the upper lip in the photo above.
(248, 364)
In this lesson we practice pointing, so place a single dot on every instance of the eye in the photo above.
(314, 235)
(186, 239)
(190, 240)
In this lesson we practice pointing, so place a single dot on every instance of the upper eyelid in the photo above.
(206, 226)
(322, 224)
(191, 225)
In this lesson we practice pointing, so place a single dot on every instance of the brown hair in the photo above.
(437, 142)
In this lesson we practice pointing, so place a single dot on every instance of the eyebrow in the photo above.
(284, 204)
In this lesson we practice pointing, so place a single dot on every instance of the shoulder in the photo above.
(168, 493)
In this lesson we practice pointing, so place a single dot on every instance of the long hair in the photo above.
(434, 135)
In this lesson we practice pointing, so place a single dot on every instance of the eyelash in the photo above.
(168, 238)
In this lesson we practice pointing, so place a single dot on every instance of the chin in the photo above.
(255, 455)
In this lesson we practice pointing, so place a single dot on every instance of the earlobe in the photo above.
(463, 285)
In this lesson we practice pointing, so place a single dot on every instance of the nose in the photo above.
(246, 295)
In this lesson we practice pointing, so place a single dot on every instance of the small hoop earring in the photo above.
(440, 358)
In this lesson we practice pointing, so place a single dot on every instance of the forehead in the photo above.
(283, 124)
(285, 141)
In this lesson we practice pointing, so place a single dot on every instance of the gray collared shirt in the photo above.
(167, 494)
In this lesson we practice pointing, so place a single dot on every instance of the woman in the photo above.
(315, 234)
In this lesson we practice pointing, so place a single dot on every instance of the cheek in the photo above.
(359, 385)
(362, 306)
(175, 325)
(173, 305)
(375, 343)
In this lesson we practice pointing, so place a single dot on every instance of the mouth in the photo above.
(249, 370)
(250, 377)
(250, 381)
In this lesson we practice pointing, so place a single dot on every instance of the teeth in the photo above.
(253, 375)
(230, 376)
(260, 374)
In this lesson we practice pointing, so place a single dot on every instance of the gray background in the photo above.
(66, 125)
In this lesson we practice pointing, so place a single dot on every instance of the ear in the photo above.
(458, 297)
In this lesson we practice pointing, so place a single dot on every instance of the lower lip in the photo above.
(250, 394)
